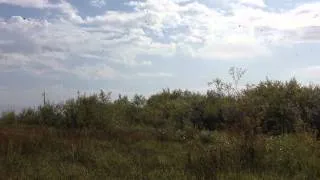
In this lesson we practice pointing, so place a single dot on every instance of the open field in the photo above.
(33, 152)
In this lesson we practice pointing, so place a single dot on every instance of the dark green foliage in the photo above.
(8, 118)
(270, 107)
(29, 116)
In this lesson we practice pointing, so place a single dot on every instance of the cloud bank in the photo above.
(244, 29)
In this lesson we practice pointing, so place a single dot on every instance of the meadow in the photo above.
(266, 131)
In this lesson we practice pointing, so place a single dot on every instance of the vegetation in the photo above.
(265, 131)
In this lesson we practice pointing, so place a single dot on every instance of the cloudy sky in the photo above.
(143, 46)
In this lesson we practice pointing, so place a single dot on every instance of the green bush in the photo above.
(8, 118)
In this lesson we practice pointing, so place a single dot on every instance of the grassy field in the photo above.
(35, 152)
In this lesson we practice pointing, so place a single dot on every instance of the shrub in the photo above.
(8, 118)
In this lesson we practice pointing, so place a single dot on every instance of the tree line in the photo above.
(268, 107)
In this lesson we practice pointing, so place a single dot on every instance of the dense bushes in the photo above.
(270, 107)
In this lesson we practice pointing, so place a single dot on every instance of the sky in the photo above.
(143, 46)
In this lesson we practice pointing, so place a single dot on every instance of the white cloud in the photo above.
(27, 3)
(68, 11)
(167, 28)
(99, 71)
(154, 74)
(98, 3)
(63, 8)
(198, 31)
(147, 62)
(258, 3)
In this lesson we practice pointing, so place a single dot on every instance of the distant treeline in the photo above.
(269, 107)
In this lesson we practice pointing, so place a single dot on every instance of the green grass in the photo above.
(33, 152)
